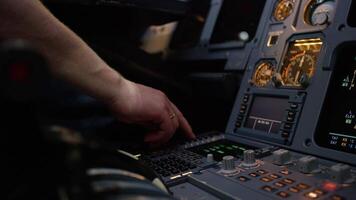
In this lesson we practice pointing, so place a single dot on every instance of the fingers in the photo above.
(183, 123)
(167, 127)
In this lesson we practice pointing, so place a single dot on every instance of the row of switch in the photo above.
(290, 121)
(340, 173)
(242, 112)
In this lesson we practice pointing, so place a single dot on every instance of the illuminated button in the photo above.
(303, 186)
(240, 117)
(253, 174)
(265, 179)
(274, 176)
(288, 126)
(288, 181)
(243, 107)
(238, 124)
(262, 171)
(285, 172)
(290, 119)
(294, 189)
(330, 186)
(279, 184)
(242, 111)
(291, 113)
(245, 99)
(243, 178)
(319, 191)
(285, 134)
(311, 195)
(268, 188)
(293, 105)
(283, 194)
(336, 197)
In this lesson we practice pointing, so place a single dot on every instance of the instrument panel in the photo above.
(292, 129)
(302, 61)
(299, 63)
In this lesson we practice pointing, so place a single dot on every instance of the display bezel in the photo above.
(322, 136)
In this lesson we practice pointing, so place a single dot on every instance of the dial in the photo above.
(283, 9)
(299, 62)
(263, 74)
(319, 12)
(300, 68)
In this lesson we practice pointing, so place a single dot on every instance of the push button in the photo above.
(288, 181)
(274, 176)
(294, 189)
(266, 179)
(238, 124)
(254, 174)
(288, 126)
(285, 172)
(279, 184)
(336, 197)
(243, 179)
(268, 188)
(303, 186)
(245, 99)
(262, 171)
(285, 134)
(283, 194)
(293, 106)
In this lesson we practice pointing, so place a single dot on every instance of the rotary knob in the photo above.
(210, 158)
(281, 157)
(249, 158)
(308, 164)
(340, 173)
(228, 163)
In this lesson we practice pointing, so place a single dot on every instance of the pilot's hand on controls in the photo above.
(139, 104)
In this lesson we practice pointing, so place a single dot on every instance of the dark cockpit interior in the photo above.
(268, 86)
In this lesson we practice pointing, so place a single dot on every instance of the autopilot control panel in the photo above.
(292, 129)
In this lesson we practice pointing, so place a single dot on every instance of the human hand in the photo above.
(139, 104)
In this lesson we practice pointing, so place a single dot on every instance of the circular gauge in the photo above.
(319, 12)
(300, 69)
(283, 9)
(263, 74)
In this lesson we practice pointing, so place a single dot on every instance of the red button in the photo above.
(329, 186)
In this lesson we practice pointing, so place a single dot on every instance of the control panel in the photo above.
(292, 129)
(221, 166)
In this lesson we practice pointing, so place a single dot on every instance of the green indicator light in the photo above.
(221, 152)
(243, 149)
(229, 148)
(234, 146)
(206, 150)
(212, 149)
(217, 147)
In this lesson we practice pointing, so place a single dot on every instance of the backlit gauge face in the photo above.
(263, 74)
(283, 9)
(298, 66)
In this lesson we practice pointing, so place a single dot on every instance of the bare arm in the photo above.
(72, 60)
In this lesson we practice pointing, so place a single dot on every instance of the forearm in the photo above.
(69, 57)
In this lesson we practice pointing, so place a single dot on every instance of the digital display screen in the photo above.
(267, 113)
(221, 148)
(337, 125)
(352, 15)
